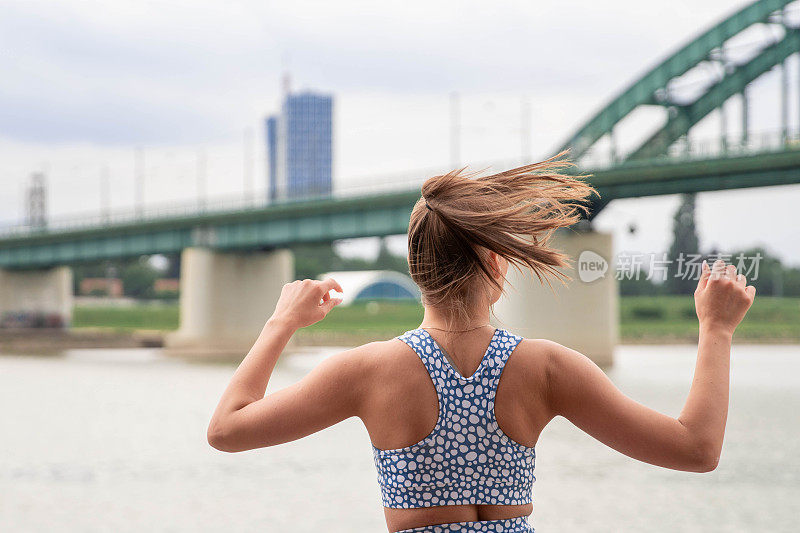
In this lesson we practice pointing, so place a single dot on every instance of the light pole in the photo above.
(139, 173)
(455, 130)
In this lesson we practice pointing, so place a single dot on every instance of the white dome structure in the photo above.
(373, 285)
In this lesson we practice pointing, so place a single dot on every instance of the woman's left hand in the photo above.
(305, 302)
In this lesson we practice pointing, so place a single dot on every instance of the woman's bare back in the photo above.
(402, 409)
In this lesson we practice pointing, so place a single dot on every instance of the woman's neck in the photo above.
(444, 319)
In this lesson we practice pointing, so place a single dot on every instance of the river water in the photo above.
(114, 440)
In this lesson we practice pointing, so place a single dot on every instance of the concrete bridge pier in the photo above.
(44, 293)
(581, 315)
(225, 299)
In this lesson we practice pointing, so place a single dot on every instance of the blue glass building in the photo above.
(300, 147)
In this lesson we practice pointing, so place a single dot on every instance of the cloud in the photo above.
(131, 72)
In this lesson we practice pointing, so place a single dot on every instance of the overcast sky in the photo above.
(84, 83)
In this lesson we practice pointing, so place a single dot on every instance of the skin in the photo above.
(388, 388)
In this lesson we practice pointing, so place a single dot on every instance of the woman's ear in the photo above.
(503, 265)
(499, 264)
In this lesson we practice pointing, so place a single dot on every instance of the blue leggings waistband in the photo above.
(509, 525)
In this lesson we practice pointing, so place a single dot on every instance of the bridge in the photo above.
(244, 227)
(226, 243)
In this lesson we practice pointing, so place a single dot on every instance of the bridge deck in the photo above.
(377, 214)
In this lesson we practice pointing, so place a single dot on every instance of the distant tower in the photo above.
(286, 84)
(300, 145)
(36, 202)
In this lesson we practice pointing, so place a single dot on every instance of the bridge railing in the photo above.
(601, 158)
(217, 205)
(358, 187)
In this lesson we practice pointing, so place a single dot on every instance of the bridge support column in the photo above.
(36, 297)
(226, 298)
(581, 315)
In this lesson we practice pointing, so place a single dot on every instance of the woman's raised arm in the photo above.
(582, 393)
(245, 419)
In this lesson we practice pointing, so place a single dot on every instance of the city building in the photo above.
(111, 287)
(300, 147)
(167, 286)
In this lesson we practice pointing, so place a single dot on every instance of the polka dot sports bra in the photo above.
(466, 459)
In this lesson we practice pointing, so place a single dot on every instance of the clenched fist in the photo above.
(305, 302)
(722, 297)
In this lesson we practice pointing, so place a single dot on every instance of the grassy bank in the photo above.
(154, 316)
(666, 318)
(642, 319)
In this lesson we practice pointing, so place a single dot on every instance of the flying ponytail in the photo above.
(514, 213)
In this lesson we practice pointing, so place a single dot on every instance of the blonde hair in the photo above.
(461, 215)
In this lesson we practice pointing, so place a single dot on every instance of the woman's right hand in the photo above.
(722, 297)
(305, 302)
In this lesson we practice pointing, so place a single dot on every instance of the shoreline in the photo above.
(40, 340)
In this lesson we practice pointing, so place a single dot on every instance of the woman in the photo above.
(454, 407)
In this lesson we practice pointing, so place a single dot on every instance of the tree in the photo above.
(639, 286)
(311, 260)
(99, 269)
(772, 278)
(174, 267)
(138, 277)
(685, 244)
(386, 260)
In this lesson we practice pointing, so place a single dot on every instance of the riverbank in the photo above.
(643, 320)
(43, 341)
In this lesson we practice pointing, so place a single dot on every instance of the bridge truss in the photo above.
(720, 67)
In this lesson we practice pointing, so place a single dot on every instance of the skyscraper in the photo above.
(300, 147)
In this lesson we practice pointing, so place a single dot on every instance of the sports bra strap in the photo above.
(423, 345)
(442, 371)
(507, 342)
(501, 347)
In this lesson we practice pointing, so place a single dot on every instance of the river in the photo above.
(114, 440)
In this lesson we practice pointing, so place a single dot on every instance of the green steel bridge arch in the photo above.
(653, 87)
(731, 84)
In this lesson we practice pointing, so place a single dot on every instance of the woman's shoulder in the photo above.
(536, 347)
(558, 364)
(385, 355)
(541, 354)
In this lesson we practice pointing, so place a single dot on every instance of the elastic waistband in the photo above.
(509, 525)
